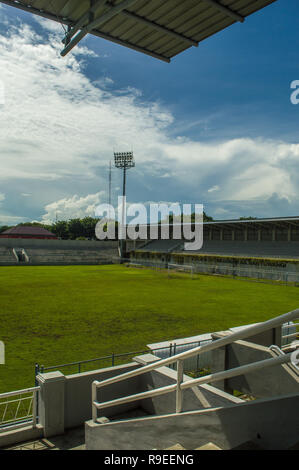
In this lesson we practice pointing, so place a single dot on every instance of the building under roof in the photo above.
(275, 228)
(159, 28)
(26, 231)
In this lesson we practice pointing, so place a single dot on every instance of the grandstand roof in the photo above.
(256, 223)
(27, 231)
(159, 28)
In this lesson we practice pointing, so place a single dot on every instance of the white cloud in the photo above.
(73, 207)
(58, 126)
(213, 189)
(10, 219)
(61, 123)
(51, 26)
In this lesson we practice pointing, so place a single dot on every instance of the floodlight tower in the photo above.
(123, 161)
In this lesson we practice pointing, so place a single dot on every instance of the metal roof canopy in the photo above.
(159, 28)
(241, 224)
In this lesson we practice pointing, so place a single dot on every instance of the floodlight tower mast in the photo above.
(109, 189)
(124, 161)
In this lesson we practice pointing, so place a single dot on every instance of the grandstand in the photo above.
(275, 237)
(56, 252)
(257, 248)
(229, 248)
(6, 256)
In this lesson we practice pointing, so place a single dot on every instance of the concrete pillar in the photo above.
(259, 235)
(51, 403)
(273, 235)
(289, 233)
(233, 235)
(245, 235)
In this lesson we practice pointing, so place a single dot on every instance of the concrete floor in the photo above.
(73, 439)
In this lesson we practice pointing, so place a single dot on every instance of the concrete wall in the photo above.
(65, 401)
(193, 399)
(265, 338)
(78, 407)
(271, 423)
(268, 382)
(58, 244)
(27, 433)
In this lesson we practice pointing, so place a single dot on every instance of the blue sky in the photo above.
(216, 126)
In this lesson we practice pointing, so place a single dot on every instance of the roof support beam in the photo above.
(159, 27)
(84, 18)
(108, 37)
(225, 10)
(96, 23)
(67, 22)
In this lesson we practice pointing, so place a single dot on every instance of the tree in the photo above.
(206, 218)
(3, 228)
(75, 228)
(60, 228)
(89, 225)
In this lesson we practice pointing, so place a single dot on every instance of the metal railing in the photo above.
(249, 272)
(117, 359)
(179, 358)
(18, 409)
(290, 336)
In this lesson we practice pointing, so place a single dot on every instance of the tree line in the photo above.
(73, 229)
(84, 229)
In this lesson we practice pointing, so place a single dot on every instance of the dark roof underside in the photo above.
(160, 28)
(282, 223)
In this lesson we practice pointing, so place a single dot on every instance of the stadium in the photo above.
(124, 345)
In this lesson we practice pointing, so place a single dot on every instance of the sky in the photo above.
(217, 126)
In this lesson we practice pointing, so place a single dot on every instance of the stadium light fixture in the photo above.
(124, 161)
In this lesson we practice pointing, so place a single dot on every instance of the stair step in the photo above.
(208, 446)
(176, 447)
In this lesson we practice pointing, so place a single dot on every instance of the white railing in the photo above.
(293, 326)
(179, 358)
(18, 409)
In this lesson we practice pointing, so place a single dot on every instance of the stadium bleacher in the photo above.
(44, 252)
(251, 248)
(162, 246)
(43, 256)
(272, 238)
(229, 248)
(7, 256)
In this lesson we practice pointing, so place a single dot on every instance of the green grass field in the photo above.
(53, 315)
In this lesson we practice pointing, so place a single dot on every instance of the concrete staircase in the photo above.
(7, 256)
